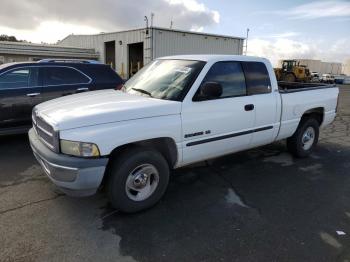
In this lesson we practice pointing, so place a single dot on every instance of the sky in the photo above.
(277, 29)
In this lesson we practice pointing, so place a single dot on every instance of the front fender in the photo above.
(112, 135)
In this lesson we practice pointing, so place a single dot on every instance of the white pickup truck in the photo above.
(176, 111)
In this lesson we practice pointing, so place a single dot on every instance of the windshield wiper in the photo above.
(142, 91)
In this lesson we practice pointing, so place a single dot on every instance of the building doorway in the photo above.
(110, 53)
(135, 58)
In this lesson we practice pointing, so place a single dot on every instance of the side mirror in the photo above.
(209, 90)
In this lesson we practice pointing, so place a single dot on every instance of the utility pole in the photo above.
(171, 23)
(152, 16)
(246, 42)
(146, 20)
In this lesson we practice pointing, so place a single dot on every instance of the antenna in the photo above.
(146, 20)
(152, 16)
(246, 42)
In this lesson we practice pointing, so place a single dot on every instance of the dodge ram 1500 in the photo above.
(175, 111)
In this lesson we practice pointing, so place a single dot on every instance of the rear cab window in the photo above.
(257, 78)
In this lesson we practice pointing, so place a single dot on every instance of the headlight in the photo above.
(79, 148)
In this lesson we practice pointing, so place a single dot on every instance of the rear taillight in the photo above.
(119, 86)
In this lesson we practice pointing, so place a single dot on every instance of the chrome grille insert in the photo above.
(45, 132)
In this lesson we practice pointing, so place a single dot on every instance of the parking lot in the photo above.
(258, 205)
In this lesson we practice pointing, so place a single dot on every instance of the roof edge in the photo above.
(160, 28)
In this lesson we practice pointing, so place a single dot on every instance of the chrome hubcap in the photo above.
(308, 138)
(142, 182)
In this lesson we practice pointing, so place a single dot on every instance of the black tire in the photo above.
(290, 77)
(295, 142)
(122, 165)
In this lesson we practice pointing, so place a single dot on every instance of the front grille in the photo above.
(45, 132)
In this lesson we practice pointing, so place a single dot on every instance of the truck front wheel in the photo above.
(138, 178)
(305, 138)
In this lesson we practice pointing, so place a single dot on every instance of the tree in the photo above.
(9, 38)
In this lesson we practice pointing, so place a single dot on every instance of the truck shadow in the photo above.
(16, 158)
(245, 203)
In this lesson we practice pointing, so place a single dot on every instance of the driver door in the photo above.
(216, 127)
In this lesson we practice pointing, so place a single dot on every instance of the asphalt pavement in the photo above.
(257, 205)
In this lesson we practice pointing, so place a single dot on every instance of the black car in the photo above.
(24, 85)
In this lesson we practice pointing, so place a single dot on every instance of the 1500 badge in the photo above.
(198, 133)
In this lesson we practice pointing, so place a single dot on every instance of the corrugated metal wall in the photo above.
(313, 65)
(322, 67)
(122, 39)
(332, 68)
(178, 43)
(165, 43)
(18, 52)
(346, 67)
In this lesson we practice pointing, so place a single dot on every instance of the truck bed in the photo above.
(295, 103)
(290, 87)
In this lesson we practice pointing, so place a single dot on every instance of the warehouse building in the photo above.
(22, 51)
(128, 51)
(319, 66)
(346, 67)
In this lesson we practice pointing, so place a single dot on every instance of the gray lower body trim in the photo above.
(75, 176)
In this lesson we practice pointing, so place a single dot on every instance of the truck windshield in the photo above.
(165, 79)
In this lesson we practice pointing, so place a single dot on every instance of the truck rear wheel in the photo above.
(138, 178)
(305, 138)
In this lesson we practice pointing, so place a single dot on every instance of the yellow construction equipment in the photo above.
(292, 71)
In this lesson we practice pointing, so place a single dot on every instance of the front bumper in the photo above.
(73, 175)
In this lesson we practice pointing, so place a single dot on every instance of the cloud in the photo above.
(284, 35)
(314, 10)
(322, 9)
(48, 31)
(279, 49)
(195, 6)
(106, 15)
(285, 48)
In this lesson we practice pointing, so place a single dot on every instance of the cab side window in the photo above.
(64, 76)
(257, 78)
(230, 76)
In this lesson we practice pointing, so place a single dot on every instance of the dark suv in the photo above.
(24, 85)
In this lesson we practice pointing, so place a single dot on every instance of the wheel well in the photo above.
(165, 145)
(316, 113)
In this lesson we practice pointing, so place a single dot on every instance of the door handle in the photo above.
(82, 89)
(249, 107)
(33, 94)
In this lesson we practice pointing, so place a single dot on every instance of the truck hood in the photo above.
(100, 107)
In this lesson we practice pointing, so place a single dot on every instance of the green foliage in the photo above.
(9, 38)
